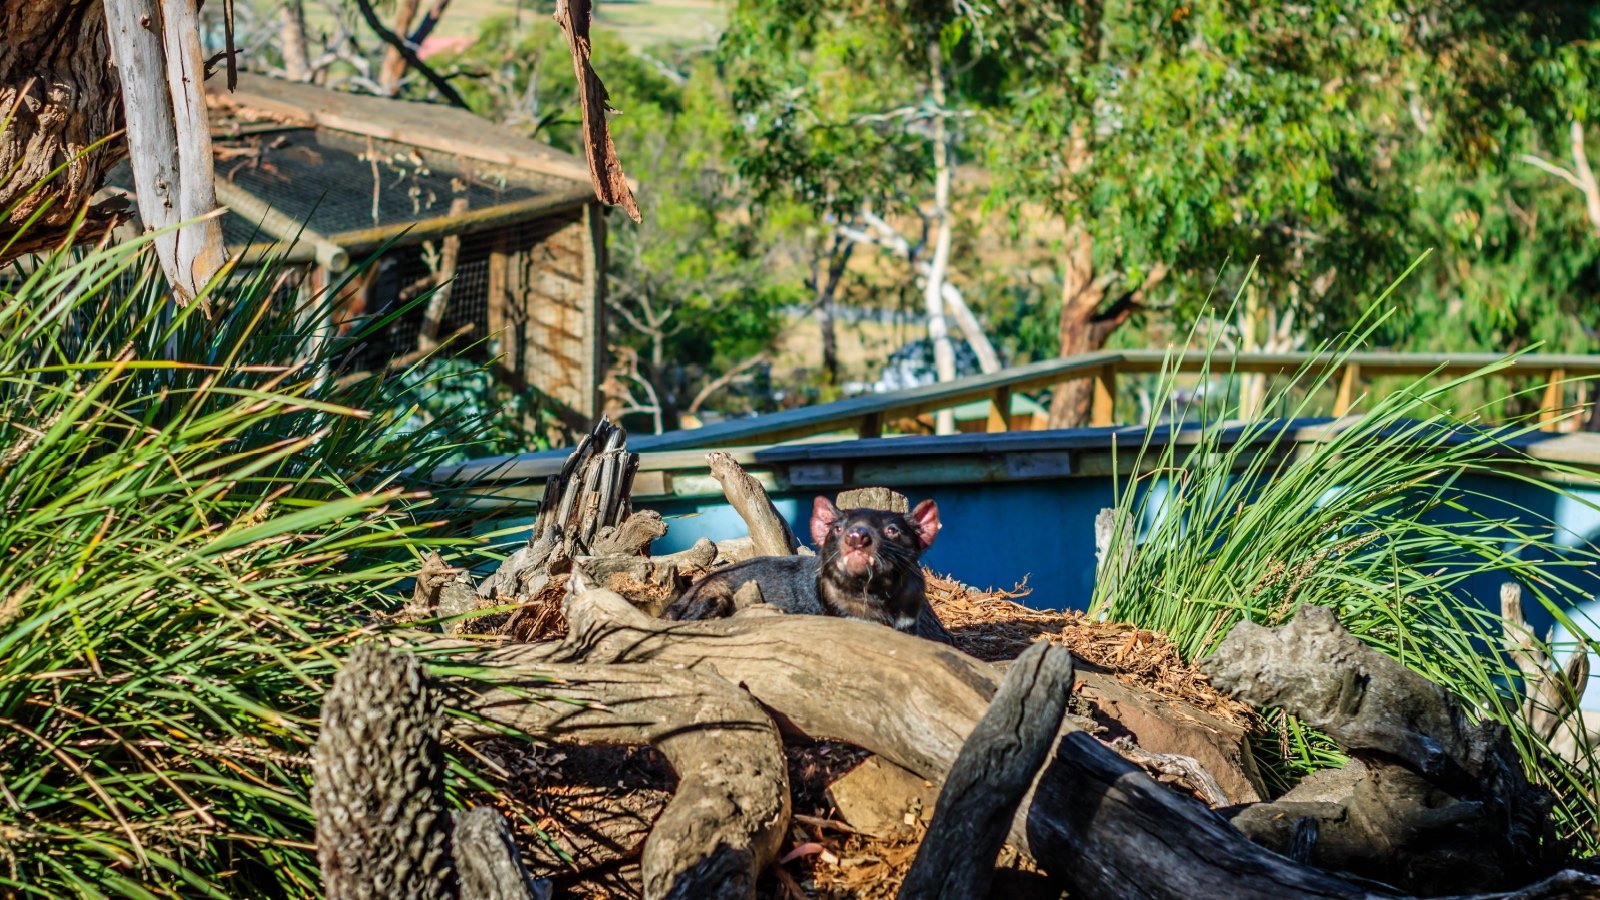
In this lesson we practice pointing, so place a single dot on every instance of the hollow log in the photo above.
(996, 766)
(732, 805)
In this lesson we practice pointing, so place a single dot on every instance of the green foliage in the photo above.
(194, 524)
(824, 91)
(1377, 523)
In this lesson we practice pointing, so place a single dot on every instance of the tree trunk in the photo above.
(156, 47)
(61, 95)
(1081, 296)
(944, 354)
(827, 271)
(292, 31)
(394, 65)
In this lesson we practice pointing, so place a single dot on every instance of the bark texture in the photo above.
(60, 94)
(378, 788)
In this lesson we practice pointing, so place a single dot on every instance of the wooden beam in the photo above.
(467, 223)
(1000, 410)
(1103, 408)
(871, 426)
(1348, 380)
(1550, 406)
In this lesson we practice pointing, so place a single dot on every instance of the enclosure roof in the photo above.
(346, 172)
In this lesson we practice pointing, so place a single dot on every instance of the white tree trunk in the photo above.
(944, 354)
(156, 47)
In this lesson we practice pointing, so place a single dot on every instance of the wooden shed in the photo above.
(505, 230)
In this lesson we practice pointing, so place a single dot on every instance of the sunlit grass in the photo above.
(1377, 521)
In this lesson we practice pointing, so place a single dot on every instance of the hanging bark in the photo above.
(58, 96)
(610, 184)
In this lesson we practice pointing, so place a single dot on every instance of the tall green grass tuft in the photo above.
(196, 515)
(1380, 519)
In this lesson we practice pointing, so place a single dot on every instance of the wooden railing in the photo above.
(868, 415)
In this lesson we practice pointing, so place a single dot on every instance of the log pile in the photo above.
(1022, 759)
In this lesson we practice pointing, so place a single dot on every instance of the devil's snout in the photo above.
(857, 537)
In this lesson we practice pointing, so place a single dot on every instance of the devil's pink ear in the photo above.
(823, 515)
(926, 516)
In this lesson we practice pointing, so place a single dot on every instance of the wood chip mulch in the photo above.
(992, 626)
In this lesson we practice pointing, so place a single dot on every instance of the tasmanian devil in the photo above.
(868, 567)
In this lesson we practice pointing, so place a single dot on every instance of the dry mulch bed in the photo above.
(596, 804)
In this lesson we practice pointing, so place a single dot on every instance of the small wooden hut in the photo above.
(503, 229)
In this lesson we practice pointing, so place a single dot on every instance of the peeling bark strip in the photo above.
(156, 47)
(610, 184)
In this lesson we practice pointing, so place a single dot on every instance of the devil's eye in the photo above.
(838, 528)
(891, 531)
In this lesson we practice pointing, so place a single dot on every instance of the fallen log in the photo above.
(1108, 830)
(731, 809)
(1441, 802)
(911, 701)
(996, 766)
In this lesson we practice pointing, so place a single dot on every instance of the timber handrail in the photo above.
(868, 414)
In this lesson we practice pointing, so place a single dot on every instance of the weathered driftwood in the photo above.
(584, 504)
(1106, 828)
(378, 782)
(441, 590)
(771, 534)
(488, 866)
(996, 767)
(1443, 803)
(732, 804)
(873, 498)
(631, 538)
(1552, 691)
(909, 700)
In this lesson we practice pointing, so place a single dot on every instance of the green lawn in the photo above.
(640, 22)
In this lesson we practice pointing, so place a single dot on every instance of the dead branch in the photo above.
(770, 532)
(996, 767)
(732, 804)
(450, 94)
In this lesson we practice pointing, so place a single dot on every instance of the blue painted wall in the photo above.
(995, 534)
